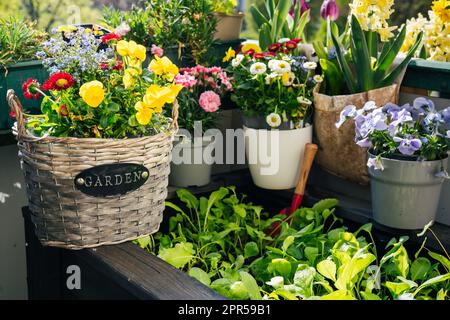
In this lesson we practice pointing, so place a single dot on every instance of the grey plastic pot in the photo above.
(405, 195)
(188, 173)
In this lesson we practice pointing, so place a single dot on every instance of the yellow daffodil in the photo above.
(144, 113)
(230, 54)
(128, 77)
(92, 93)
(122, 48)
(251, 46)
(163, 67)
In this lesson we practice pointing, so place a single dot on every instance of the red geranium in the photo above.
(274, 47)
(59, 81)
(29, 89)
(109, 37)
(63, 111)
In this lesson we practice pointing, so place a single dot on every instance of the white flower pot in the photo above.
(274, 156)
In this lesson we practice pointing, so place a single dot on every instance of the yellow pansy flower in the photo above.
(136, 64)
(122, 48)
(92, 93)
(156, 97)
(251, 46)
(136, 50)
(128, 77)
(230, 54)
(174, 91)
(163, 67)
(144, 114)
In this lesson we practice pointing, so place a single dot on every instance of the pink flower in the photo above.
(214, 70)
(157, 51)
(122, 30)
(185, 80)
(200, 69)
(209, 101)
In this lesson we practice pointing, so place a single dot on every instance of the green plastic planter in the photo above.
(16, 76)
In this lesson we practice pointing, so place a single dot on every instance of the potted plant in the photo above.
(184, 29)
(274, 90)
(229, 20)
(199, 107)
(96, 161)
(19, 43)
(360, 65)
(407, 163)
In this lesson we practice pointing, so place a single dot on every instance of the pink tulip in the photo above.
(329, 9)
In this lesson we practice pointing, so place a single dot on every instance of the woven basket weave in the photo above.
(64, 216)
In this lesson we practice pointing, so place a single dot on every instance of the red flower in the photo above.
(59, 81)
(259, 55)
(29, 89)
(291, 45)
(275, 47)
(239, 49)
(250, 52)
(297, 40)
(118, 66)
(63, 111)
(110, 37)
(272, 54)
(103, 66)
(12, 114)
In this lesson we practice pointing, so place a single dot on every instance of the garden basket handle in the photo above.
(16, 107)
(174, 124)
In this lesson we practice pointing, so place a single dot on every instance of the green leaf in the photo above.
(251, 285)
(239, 291)
(113, 107)
(287, 243)
(239, 209)
(311, 253)
(387, 57)
(200, 275)
(441, 295)
(178, 256)
(338, 295)
(319, 48)
(283, 11)
(304, 278)
(327, 268)
(320, 206)
(443, 260)
(369, 296)
(433, 281)
(348, 272)
(346, 71)
(419, 268)
(302, 23)
(251, 249)
(188, 198)
(361, 56)
(258, 17)
(397, 288)
(270, 7)
(280, 267)
(143, 242)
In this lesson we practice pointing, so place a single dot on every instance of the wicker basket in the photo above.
(68, 218)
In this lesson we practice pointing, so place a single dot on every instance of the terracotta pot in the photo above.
(338, 152)
(228, 26)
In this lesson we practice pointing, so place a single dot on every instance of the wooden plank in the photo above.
(146, 276)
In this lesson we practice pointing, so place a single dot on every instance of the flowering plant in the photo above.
(413, 132)
(224, 6)
(201, 99)
(436, 32)
(275, 84)
(361, 59)
(102, 93)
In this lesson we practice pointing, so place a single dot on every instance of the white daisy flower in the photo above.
(237, 61)
(284, 40)
(288, 79)
(280, 66)
(258, 68)
(303, 100)
(310, 65)
(273, 120)
(318, 78)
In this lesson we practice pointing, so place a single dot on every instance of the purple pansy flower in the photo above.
(364, 143)
(401, 117)
(446, 115)
(375, 163)
(408, 146)
(347, 112)
(424, 104)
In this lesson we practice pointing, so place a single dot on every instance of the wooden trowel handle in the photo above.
(308, 159)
